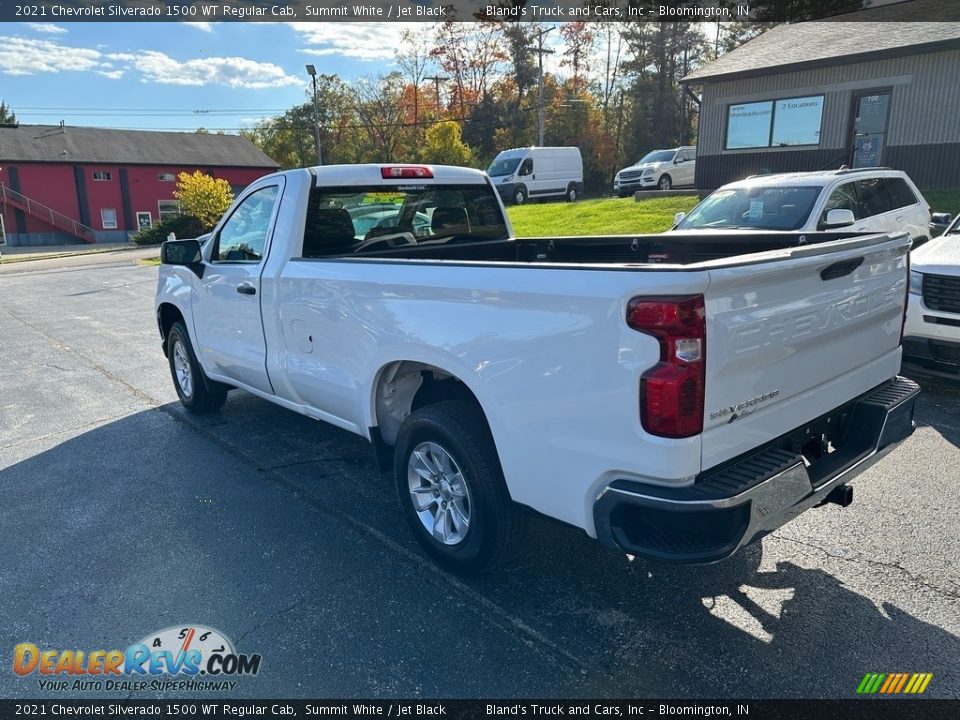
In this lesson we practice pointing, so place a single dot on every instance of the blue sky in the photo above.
(156, 75)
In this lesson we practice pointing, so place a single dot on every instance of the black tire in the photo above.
(202, 395)
(519, 196)
(572, 193)
(495, 522)
(665, 182)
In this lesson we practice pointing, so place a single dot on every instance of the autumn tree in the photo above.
(202, 196)
(444, 145)
(578, 38)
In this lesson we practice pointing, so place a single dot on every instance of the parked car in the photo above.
(660, 170)
(932, 332)
(538, 172)
(866, 200)
(675, 413)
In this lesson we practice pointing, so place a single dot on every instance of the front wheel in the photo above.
(519, 196)
(451, 487)
(665, 182)
(197, 394)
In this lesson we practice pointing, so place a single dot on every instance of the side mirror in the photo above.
(678, 217)
(941, 220)
(185, 253)
(838, 218)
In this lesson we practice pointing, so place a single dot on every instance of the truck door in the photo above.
(229, 329)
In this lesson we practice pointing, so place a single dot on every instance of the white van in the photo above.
(537, 172)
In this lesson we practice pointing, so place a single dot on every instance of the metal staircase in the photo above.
(50, 216)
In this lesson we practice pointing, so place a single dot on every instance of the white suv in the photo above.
(660, 169)
(931, 337)
(863, 200)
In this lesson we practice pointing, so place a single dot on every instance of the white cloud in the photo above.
(361, 41)
(205, 26)
(235, 72)
(27, 56)
(30, 56)
(47, 28)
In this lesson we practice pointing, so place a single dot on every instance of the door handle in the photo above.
(246, 289)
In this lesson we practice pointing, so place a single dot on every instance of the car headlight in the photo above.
(916, 282)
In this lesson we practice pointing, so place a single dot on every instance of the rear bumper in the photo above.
(739, 502)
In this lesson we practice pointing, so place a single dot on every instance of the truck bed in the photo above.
(613, 249)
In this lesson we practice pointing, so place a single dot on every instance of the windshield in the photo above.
(656, 156)
(767, 208)
(503, 166)
(348, 220)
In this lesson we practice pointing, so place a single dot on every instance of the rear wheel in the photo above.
(197, 393)
(665, 182)
(571, 193)
(451, 487)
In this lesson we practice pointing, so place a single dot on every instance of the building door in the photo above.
(869, 128)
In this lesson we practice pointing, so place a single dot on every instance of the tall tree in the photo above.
(380, 113)
(579, 42)
(413, 57)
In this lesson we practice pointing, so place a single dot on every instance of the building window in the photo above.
(166, 177)
(790, 122)
(108, 216)
(102, 175)
(167, 209)
(748, 125)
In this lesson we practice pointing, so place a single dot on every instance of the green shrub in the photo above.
(183, 226)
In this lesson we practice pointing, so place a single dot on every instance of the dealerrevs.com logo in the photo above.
(178, 658)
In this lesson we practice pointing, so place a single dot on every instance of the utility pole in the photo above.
(540, 51)
(312, 72)
(436, 87)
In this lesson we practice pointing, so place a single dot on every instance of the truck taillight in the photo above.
(671, 392)
(391, 172)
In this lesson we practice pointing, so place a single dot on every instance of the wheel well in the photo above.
(407, 386)
(167, 315)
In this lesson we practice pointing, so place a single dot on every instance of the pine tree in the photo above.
(6, 113)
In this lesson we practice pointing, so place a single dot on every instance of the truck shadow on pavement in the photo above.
(158, 518)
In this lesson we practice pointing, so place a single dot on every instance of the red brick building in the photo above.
(64, 185)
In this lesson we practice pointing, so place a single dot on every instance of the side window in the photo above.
(900, 193)
(685, 156)
(873, 197)
(244, 235)
(842, 198)
(527, 167)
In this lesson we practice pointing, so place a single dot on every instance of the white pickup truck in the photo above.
(675, 397)
(932, 334)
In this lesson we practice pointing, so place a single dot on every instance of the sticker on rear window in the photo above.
(756, 208)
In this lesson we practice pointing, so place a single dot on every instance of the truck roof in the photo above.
(380, 174)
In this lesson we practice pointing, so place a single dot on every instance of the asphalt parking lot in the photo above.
(122, 515)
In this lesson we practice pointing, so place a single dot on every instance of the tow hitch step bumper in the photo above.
(741, 501)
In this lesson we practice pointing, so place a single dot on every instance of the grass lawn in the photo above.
(943, 200)
(606, 216)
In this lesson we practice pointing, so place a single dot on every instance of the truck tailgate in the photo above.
(797, 334)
